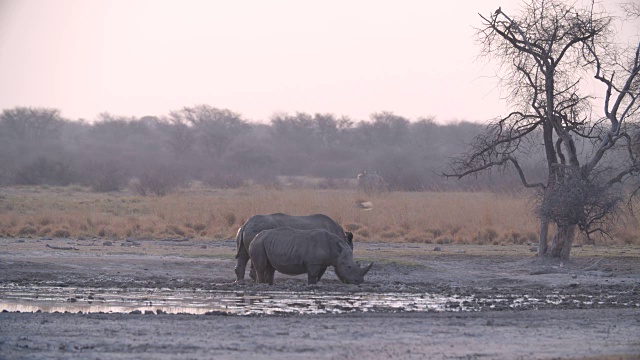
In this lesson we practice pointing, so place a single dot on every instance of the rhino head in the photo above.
(347, 270)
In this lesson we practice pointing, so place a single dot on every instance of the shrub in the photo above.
(27, 230)
(415, 238)
(159, 182)
(487, 236)
(364, 232)
(106, 177)
(352, 227)
(175, 230)
(444, 240)
(44, 171)
(435, 232)
(327, 183)
(62, 233)
(389, 235)
(197, 227)
(230, 218)
(225, 181)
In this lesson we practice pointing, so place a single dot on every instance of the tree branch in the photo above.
(498, 163)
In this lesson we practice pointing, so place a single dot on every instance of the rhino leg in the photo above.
(321, 273)
(241, 264)
(263, 269)
(261, 276)
(312, 279)
(266, 274)
(314, 272)
(252, 271)
(270, 274)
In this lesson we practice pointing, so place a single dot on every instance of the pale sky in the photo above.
(256, 57)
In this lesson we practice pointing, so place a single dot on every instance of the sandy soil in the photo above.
(608, 326)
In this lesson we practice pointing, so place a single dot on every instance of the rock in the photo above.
(533, 249)
(136, 312)
(437, 248)
(600, 274)
(130, 243)
(216, 312)
(160, 312)
(107, 243)
(149, 312)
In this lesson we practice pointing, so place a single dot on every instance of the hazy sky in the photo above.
(346, 57)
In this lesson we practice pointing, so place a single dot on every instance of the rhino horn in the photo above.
(366, 269)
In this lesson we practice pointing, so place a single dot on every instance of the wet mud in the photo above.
(49, 299)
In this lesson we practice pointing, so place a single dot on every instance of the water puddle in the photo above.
(158, 301)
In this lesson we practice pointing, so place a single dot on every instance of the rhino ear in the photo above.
(339, 245)
(349, 235)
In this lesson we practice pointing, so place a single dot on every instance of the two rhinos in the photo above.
(295, 245)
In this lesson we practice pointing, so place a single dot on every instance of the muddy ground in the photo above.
(598, 314)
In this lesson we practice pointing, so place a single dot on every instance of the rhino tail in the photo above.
(239, 241)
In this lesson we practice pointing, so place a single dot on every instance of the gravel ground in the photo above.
(607, 327)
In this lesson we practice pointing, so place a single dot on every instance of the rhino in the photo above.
(258, 223)
(294, 252)
(371, 183)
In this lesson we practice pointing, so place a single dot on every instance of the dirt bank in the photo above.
(606, 320)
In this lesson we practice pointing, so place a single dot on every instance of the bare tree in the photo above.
(545, 54)
(631, 9)
(215, 128)
(386, 129)
(30, 124)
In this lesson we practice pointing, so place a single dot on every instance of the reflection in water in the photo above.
(106, 300)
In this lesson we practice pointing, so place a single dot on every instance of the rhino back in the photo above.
(307, 222)
(258, 223)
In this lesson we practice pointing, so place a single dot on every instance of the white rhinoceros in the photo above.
(258, 223)
(371, 183)
(294, 252)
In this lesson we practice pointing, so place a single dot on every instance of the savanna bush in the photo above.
(486, 236)
(27, 230)
(106, 177)
(224, 181)
(61, 233)
(159, 182)
(45, 171)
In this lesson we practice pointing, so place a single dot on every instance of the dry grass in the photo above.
(199, 212)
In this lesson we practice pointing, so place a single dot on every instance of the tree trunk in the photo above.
(562, 240)
(544, 234)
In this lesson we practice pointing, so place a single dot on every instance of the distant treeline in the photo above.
(220, 148)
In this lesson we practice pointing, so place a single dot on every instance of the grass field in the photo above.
(200, 212)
